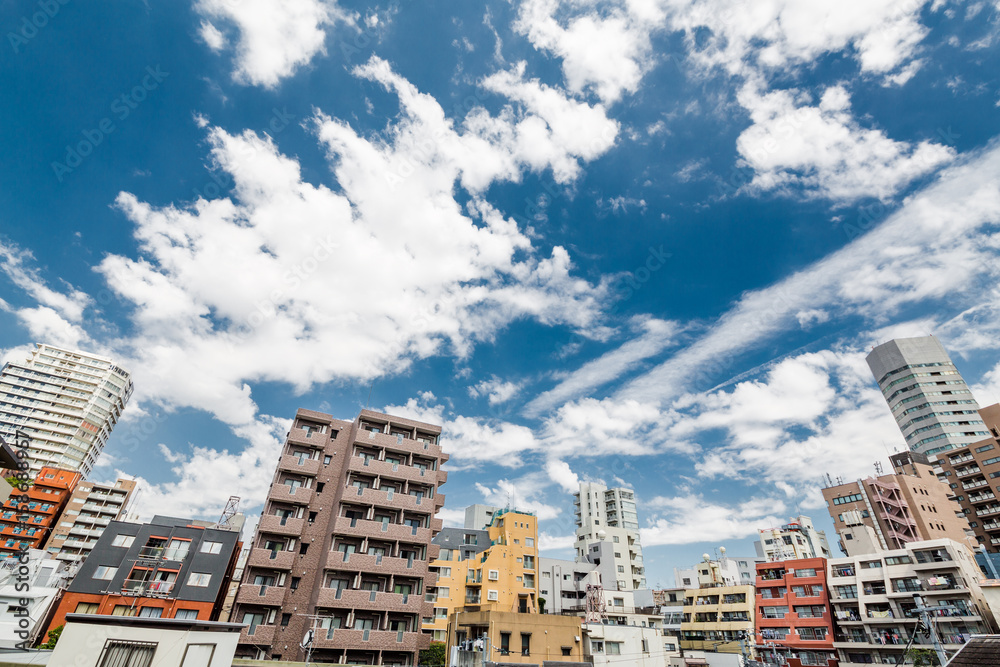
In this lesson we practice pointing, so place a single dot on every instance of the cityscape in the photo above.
(520, 332)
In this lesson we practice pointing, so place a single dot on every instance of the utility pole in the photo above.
(925, 619)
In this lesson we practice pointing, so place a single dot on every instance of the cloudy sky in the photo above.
(642, 241)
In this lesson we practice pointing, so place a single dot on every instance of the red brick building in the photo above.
(793, 619)
(30, 523)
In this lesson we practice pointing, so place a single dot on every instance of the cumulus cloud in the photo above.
(495, 390)
(275, 38)
(822, 150)
(690, 519)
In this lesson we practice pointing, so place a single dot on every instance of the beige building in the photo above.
(890, 511)
(502, 576)
(716, 618)
(88, 512)
(512, 638)
(874, 598)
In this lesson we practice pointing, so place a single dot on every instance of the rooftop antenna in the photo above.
(829, 480)
(369, 402)
(232, 508)
(878, 467)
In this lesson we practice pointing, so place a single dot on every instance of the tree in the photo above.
(435, 656)
(54, 635)
(541, 605)
(923, 656)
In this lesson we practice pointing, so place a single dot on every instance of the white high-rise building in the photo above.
(928, 398)
(607, 525)
(794, 540)
(66, 401)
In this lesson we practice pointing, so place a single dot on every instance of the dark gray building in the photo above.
(167, 568)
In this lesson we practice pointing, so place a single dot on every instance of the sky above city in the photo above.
(648, 242)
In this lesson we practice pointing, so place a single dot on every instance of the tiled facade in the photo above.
(794, 623)
(716, 619)
(29, 521)
(344, 543)
(873, 600)
(973, 474)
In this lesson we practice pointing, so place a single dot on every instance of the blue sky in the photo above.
(645, 240)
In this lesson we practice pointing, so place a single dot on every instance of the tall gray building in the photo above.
(928, 397)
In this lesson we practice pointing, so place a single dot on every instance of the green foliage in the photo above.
(435, 656)
(54, 635)
(923, 656)
(541, 605)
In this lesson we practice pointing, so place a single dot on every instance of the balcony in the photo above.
(262, 635)
(961, 459)
(370, 600)
(393, 443)
(987, 511)
(145, 588)
(965, 472)
(268, 596)
(272, 560)
(977, 484)
(358, 562)
(373, 640)
(982, 497)
(399, 471)
(286, 494)
(382, 498)
(382, 531)
(991, 525)
(304, 466)
(299, 436)
(276, 525)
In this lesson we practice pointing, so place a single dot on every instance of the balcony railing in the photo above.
(965, 472)
(145, 588)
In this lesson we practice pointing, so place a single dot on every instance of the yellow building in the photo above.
(714, 618)
(510, 638)
(495, 569)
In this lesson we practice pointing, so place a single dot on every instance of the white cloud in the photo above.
(547, 542)
(525, 493)
(691, 519)
(17, 265)
(823, 150)
(495, 389)
(560, 473)
(275, 38)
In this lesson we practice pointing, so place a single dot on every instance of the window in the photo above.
(621, 568)
(529, 541)
(285, 618)
(121, 540)
(567, 650)
(198, 655)
(303, 548)
(504, 643)
(119, 653)
(614, 648)
(86, 608)
(444, 572)
(123, 610)
(319, 487)
(187, 614)
(211, 547)
(443, 592)
(199, 579)
(494, 575)
(492, 595)
(985, 448)
(615, 539)
(806, 572)
(327, 459)
(105, 573)
(151, 612)
(618, 602)
(525, 643)
(645, 646)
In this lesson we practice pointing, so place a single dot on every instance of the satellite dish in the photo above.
(307, 640)
(706, 557)
(722, 550)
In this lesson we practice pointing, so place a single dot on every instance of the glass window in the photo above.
(127, 654)
(106, 573)
(187, 614)
(199, 579)
(122, 540)
(211, 547)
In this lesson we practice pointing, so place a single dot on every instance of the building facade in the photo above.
(66, 401)
(972, 472)
(890, 511)
(344, 544)
(928, 398)
(90, 509)
(38, 582)
(563, 584)
(875, 600)
(29, 524)
(794, 620)
(477, 517)
(796, 539)
(167, 568)
(501, 574)
(610, 515)
(718, 619)
(723, 571)
(510, 638)
(607, 645)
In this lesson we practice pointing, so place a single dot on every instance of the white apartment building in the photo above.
(928, 398)
(66, 401)
(88, 512)
(606, 515)
(874, 598)
(614, 645)
(794, 540)
(38, 581)
(722, 571)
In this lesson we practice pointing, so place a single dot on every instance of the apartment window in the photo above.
(444, 572)
(211, 547)
(898, 560)
(618, 602)
(327, 459)
(198, 655)
(123, 610)
(529, 541)
(151, 612)
(285, 619)
(615, 538)
(986, 448)
(199, 579)
(596, 647)
(645, 646)
(614, 648)
(121, 540)
(106, 573)
(312, 517)
(187, 614)
(319, 487)
(567, 650)
(303, 548)
(492, 596)
(525, 643)
(117, 653)
(86, 608)
(621, 568)
(805, 572)
(494, 575)
(504, 643)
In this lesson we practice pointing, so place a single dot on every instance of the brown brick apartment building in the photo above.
(973, 473)
(344, 543)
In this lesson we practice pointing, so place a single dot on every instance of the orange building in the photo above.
(29, 523)
(793, 616)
